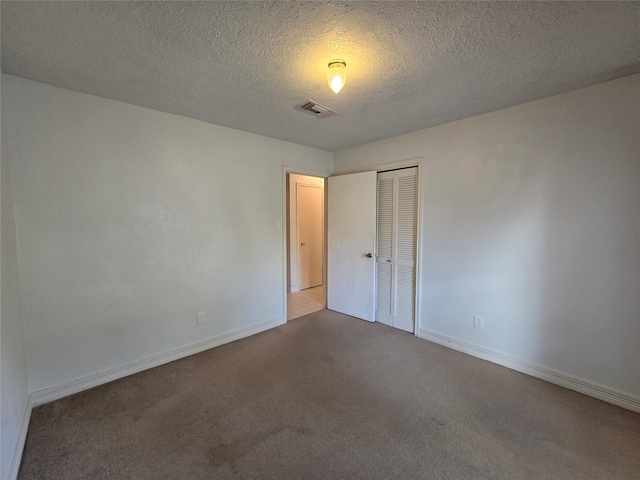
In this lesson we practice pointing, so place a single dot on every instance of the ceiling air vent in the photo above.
(315, 109)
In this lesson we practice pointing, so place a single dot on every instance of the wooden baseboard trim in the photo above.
(523, 366)
(56, 392)
(16, 458)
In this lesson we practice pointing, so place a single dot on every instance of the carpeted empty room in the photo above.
(329, 396)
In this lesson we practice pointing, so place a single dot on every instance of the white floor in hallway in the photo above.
(305, 302)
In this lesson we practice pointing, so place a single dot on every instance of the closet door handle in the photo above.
(368, 255)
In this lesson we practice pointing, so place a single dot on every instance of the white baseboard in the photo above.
(16, 458)
(558, 378)
(56, 392)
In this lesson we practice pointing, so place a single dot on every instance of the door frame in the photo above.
(410, 162)
(285, 216)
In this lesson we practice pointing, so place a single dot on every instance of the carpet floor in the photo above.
(331, 397)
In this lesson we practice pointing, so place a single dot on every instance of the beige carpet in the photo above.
(331, 397)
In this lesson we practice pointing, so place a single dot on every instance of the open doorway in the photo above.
(305, 228)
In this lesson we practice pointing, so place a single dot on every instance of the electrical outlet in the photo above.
(478, 322)
(200, 318)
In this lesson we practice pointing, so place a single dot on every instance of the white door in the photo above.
(351, 222)
(396, 248)
(310, 235)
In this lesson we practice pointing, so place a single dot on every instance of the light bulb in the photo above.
(337, 76)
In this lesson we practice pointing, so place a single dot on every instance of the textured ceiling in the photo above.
(410, 65)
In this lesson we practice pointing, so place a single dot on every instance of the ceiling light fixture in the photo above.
(337, 77)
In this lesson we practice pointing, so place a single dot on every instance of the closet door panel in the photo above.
(397, 210)
(405, 249)
(384, 245)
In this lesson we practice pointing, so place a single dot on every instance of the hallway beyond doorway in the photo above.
(305, 302)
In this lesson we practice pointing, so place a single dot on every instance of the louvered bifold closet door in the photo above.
(396, 255)
(404, 285)
(384, 256)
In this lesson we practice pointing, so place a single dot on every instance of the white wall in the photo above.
(14, 396)
(129, 221)
(292, 226)
(530, 219)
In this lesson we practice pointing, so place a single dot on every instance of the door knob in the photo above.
(368, 255)
(302, 244)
